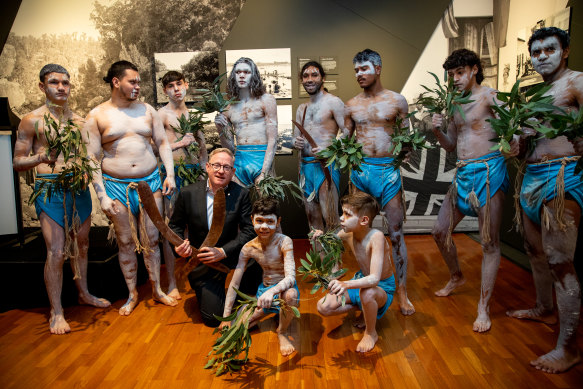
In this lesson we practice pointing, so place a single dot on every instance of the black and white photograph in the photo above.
(284, 130)
(274, 67)
(200, 69)
(524, 69)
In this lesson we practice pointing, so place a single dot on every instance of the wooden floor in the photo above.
(164, 347)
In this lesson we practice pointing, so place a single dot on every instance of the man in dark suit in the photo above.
(193, 208)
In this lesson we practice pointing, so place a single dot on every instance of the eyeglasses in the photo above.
(217, 166)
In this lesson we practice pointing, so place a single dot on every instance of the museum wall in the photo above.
(408, 35)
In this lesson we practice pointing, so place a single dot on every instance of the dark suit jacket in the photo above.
(190, 210)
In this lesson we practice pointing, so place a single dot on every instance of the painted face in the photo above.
(265, 225)
(56, 87)
(176, 90)
(221, 177)
(312, 80)
(463, 77)
(243, 75)
(365, 73)
(129, 84)
(349, 219)
(546, 55)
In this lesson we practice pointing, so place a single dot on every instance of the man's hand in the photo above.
(187, 140)
(108, 206)
(224, 324)
(169, 186)
(210, 254)
(437, 121)
(299, 142)
(184, 250)
(221, 121)
(50, 159)
(260, 178)
(578, 145)
(337, 287)
(265, 300)
(514, 147)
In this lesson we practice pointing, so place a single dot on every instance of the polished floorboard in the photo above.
(163, 347)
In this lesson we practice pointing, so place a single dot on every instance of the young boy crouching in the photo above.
(274, 253)
(371, 289)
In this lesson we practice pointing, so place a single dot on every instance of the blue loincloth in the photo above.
(388, 285)
(539, 186)
(262, 289)
(177, 178)
(248, 162)
(54, 209)
(314, 176)
(378, 178)
(116, 189)
(472, 176)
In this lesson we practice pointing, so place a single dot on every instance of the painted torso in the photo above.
(374, 117)
(249, 120)
(272, 257)
(125, 137)
(320, 122)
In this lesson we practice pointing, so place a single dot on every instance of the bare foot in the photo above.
(89, 299)
(174, 293)
(367, 343)
(537, 314)
(450, 286)
(556, 361)
(285, 346)
(406, 307)
(482, 323)
(166, 300)
(359, 322)
(129, 306)
(58, 325)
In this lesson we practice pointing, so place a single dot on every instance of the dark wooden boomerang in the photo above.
(312, 143)
(219, 211)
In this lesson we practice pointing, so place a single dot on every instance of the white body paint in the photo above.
(546, 55)
(243, 72)
(361, 72)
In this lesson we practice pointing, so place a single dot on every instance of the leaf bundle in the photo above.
(346, 152)
(320, 270)
(276, 187)
(213, 99)
(444, 99)
(519, 110)
(189, 175)
(406, 138)
(565, 123)
(77, 173)
(330, 243)
(192, 124)
(225, 356)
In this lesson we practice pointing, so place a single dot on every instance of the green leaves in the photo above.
(565, 123)
(444, 100)
(77, 173)
(192, 124)
(189, 174)
(405, 139)
(213, 99)
(231, 350)
(346, 152)
(319, 269)
(520, 110)
(276, 187)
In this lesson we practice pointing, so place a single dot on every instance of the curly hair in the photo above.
(368, 55)
(465, 57)
(546, 32)
(266, 206)
(256, 86)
